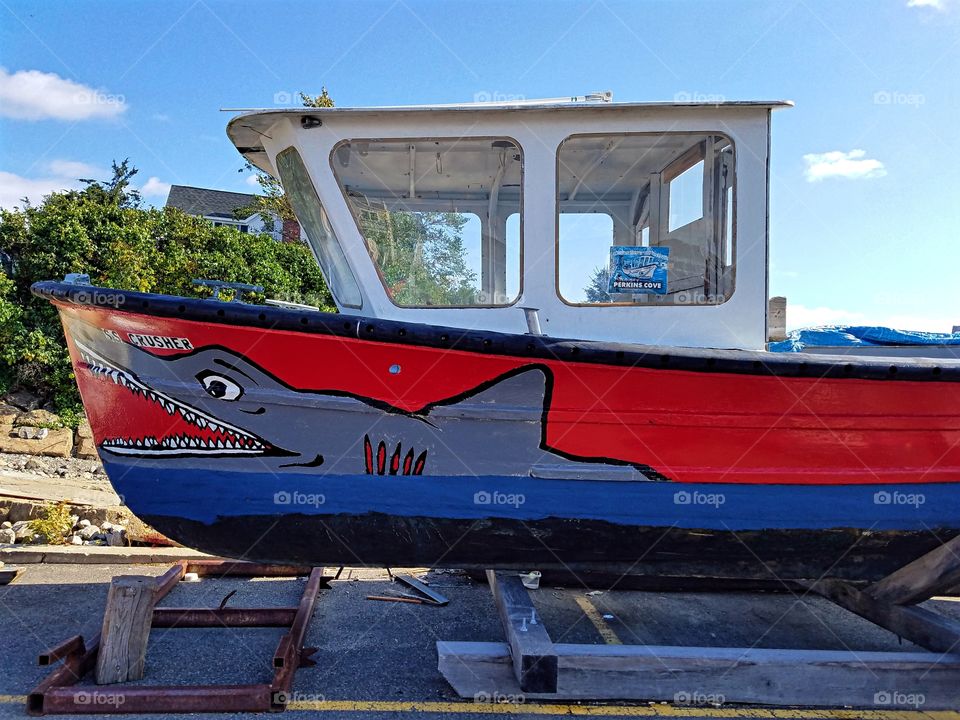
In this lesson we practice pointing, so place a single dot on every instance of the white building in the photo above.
(230, 209)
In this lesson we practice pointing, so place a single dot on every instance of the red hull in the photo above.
(691, 426)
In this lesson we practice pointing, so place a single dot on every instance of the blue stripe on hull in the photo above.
(204, 495)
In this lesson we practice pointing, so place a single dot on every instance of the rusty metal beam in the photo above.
(74, 667)
(168, 581)
(59, 652)
(164, 699)
(290, 653)
(58, 694)
(225, 568)
(223, 617)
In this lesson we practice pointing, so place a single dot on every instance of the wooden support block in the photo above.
(534, 658)
(920, 626)
(697, 675)
(932, 574)
(126, 629)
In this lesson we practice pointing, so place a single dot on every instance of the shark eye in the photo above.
(220, 387)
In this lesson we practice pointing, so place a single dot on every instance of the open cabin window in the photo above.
(441, 217)
(320, 236)
(646, 219)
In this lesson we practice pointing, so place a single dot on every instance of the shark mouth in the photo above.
(204, 435)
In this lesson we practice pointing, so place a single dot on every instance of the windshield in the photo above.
(320, 236)
(440, 217)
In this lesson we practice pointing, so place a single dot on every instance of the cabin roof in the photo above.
(245, 129)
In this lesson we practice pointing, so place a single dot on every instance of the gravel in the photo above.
(52, 466)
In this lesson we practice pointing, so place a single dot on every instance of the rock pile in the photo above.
(83, 532)
(26, 428)
(53, 466)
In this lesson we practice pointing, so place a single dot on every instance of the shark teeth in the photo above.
(181, 443)
(226, 440)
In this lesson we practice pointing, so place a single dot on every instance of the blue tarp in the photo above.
(852, 335)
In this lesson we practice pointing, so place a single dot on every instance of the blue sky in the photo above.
(865, 216)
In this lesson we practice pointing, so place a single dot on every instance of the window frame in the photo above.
(626, 133)
(336, 291)
(432, 138)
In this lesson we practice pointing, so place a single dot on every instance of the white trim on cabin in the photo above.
(738, 322)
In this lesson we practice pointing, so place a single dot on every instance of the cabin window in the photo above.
(320, 236)
(646, 219)
(440, 217)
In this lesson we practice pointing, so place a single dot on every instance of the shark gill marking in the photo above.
(222, 438)
(410, 467)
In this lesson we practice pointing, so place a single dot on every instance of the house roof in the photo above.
(209, 203)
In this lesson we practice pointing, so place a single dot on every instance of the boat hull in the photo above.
(284, 436)
(737, 531)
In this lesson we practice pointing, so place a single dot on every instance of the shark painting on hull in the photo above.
(224, 408)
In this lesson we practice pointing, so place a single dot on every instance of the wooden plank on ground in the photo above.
(701, 675)
(918, 625)
(932, 574)
(534, 660)
(126, 629)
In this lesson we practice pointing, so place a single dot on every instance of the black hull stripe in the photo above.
(742, 362)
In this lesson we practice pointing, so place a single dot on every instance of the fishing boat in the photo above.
(550, 351)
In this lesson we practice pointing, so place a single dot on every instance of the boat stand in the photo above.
(117, 653)
(531, 666)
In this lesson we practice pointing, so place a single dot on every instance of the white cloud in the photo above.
(13, 188)
(252, 181)
(935, 4)
(155, 187)
(35, 95)
(58, 175)
(75, 170)
(800, 316)
(852, 165)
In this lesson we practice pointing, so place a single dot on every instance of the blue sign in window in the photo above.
(638, 269)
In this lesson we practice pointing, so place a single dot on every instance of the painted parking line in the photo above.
(653, 711)
(560, 710)
(590, 610)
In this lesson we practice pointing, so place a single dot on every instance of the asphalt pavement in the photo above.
(378, 659)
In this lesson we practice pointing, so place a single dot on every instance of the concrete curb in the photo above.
(95, 554)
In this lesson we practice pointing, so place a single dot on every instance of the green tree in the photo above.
(421, 256)
(272, 201)
(596, 290)
(101, 230)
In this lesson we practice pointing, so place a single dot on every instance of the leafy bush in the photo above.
(54, 524)
(103, 231)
